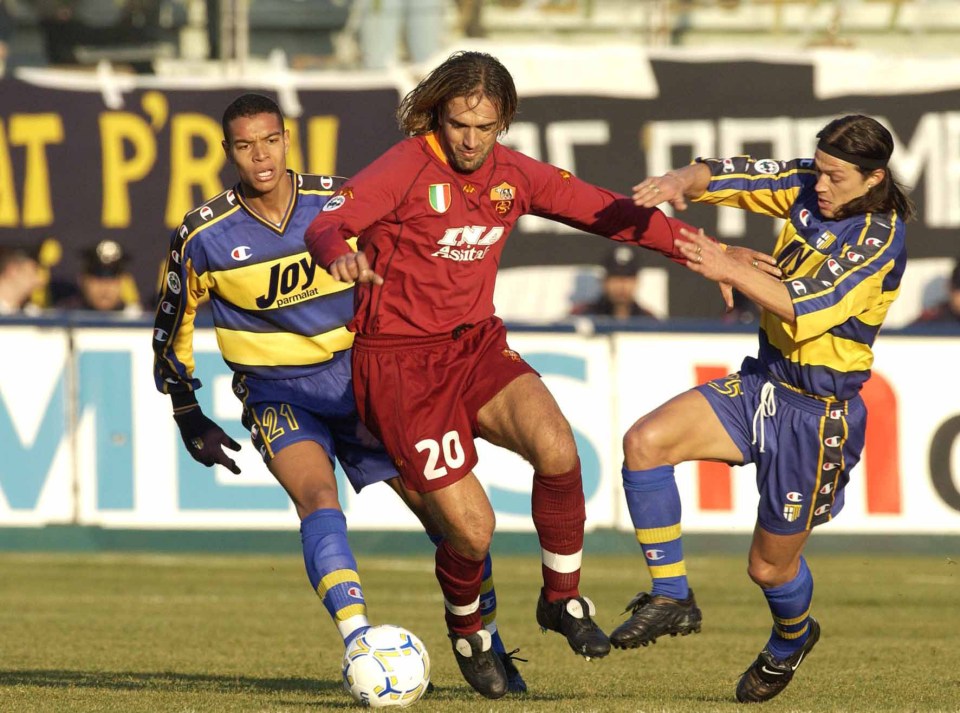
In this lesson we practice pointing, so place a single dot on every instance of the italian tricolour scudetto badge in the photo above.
(440, 197)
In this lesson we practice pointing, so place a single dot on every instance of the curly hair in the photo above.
(463, 74)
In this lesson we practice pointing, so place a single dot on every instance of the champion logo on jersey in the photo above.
(827, 489)
(231, 197)
(832, 441)
(167, 308)
(206, 212)
(175, 256)
(728, 165)
(439, 194)
(160, 334)
(830, 466)
(183, 231)
(873, 242)
(241, 253)
(835, 267)
(794, 497)
(799, 287)
(299, 181)
(853, 256)
(804, 217)
(822, 510)
(836, 413)
(326, 182)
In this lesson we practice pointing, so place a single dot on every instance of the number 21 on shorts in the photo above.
(448, 448)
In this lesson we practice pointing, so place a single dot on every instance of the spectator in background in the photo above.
(947, 311)
(20, 275)
(422, 24)
(621, 267)
(104, 285)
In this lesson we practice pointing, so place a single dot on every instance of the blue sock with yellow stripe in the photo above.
(790, 606)
(332, 570)
(654, 504)
(488, 598)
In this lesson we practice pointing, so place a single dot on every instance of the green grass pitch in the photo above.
(191, 633)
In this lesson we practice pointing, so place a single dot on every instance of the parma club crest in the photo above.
(439, 194)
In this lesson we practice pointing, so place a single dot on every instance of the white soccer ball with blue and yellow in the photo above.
(386, 665)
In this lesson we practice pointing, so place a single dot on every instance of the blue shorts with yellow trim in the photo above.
(810, 445)
(318, 407)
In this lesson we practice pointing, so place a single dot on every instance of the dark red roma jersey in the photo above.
(435, 236)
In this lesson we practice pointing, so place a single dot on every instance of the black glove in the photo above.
(204, 439)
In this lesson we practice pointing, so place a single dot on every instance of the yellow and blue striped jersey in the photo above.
(842, 275)
(277, 314)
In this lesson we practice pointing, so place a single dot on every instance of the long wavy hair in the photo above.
(463, 74)
(863, 136)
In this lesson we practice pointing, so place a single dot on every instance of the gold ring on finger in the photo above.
(756, 263)
(699, 258)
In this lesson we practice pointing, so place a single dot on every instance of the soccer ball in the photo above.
(385, 666)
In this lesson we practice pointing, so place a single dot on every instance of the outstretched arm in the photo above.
(673, 187)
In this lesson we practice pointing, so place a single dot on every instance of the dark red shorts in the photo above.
(420, 396)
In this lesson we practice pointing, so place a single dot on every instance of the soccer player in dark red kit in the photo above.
(432, 367)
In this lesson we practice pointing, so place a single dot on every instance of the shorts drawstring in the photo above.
(767, 407)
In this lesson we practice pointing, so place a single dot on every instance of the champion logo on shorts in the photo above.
(439, 194)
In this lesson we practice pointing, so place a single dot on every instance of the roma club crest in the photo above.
(502, 197)
(439, 194)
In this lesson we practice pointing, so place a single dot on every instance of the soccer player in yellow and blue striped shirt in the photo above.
(280, 326)
(795, 410)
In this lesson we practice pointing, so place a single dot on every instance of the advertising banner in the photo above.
(87, 439)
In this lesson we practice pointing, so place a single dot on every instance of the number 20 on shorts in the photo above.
(452, 454)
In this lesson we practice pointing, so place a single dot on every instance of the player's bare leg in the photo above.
(652, 447)
(306, 473)
(524, 418)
